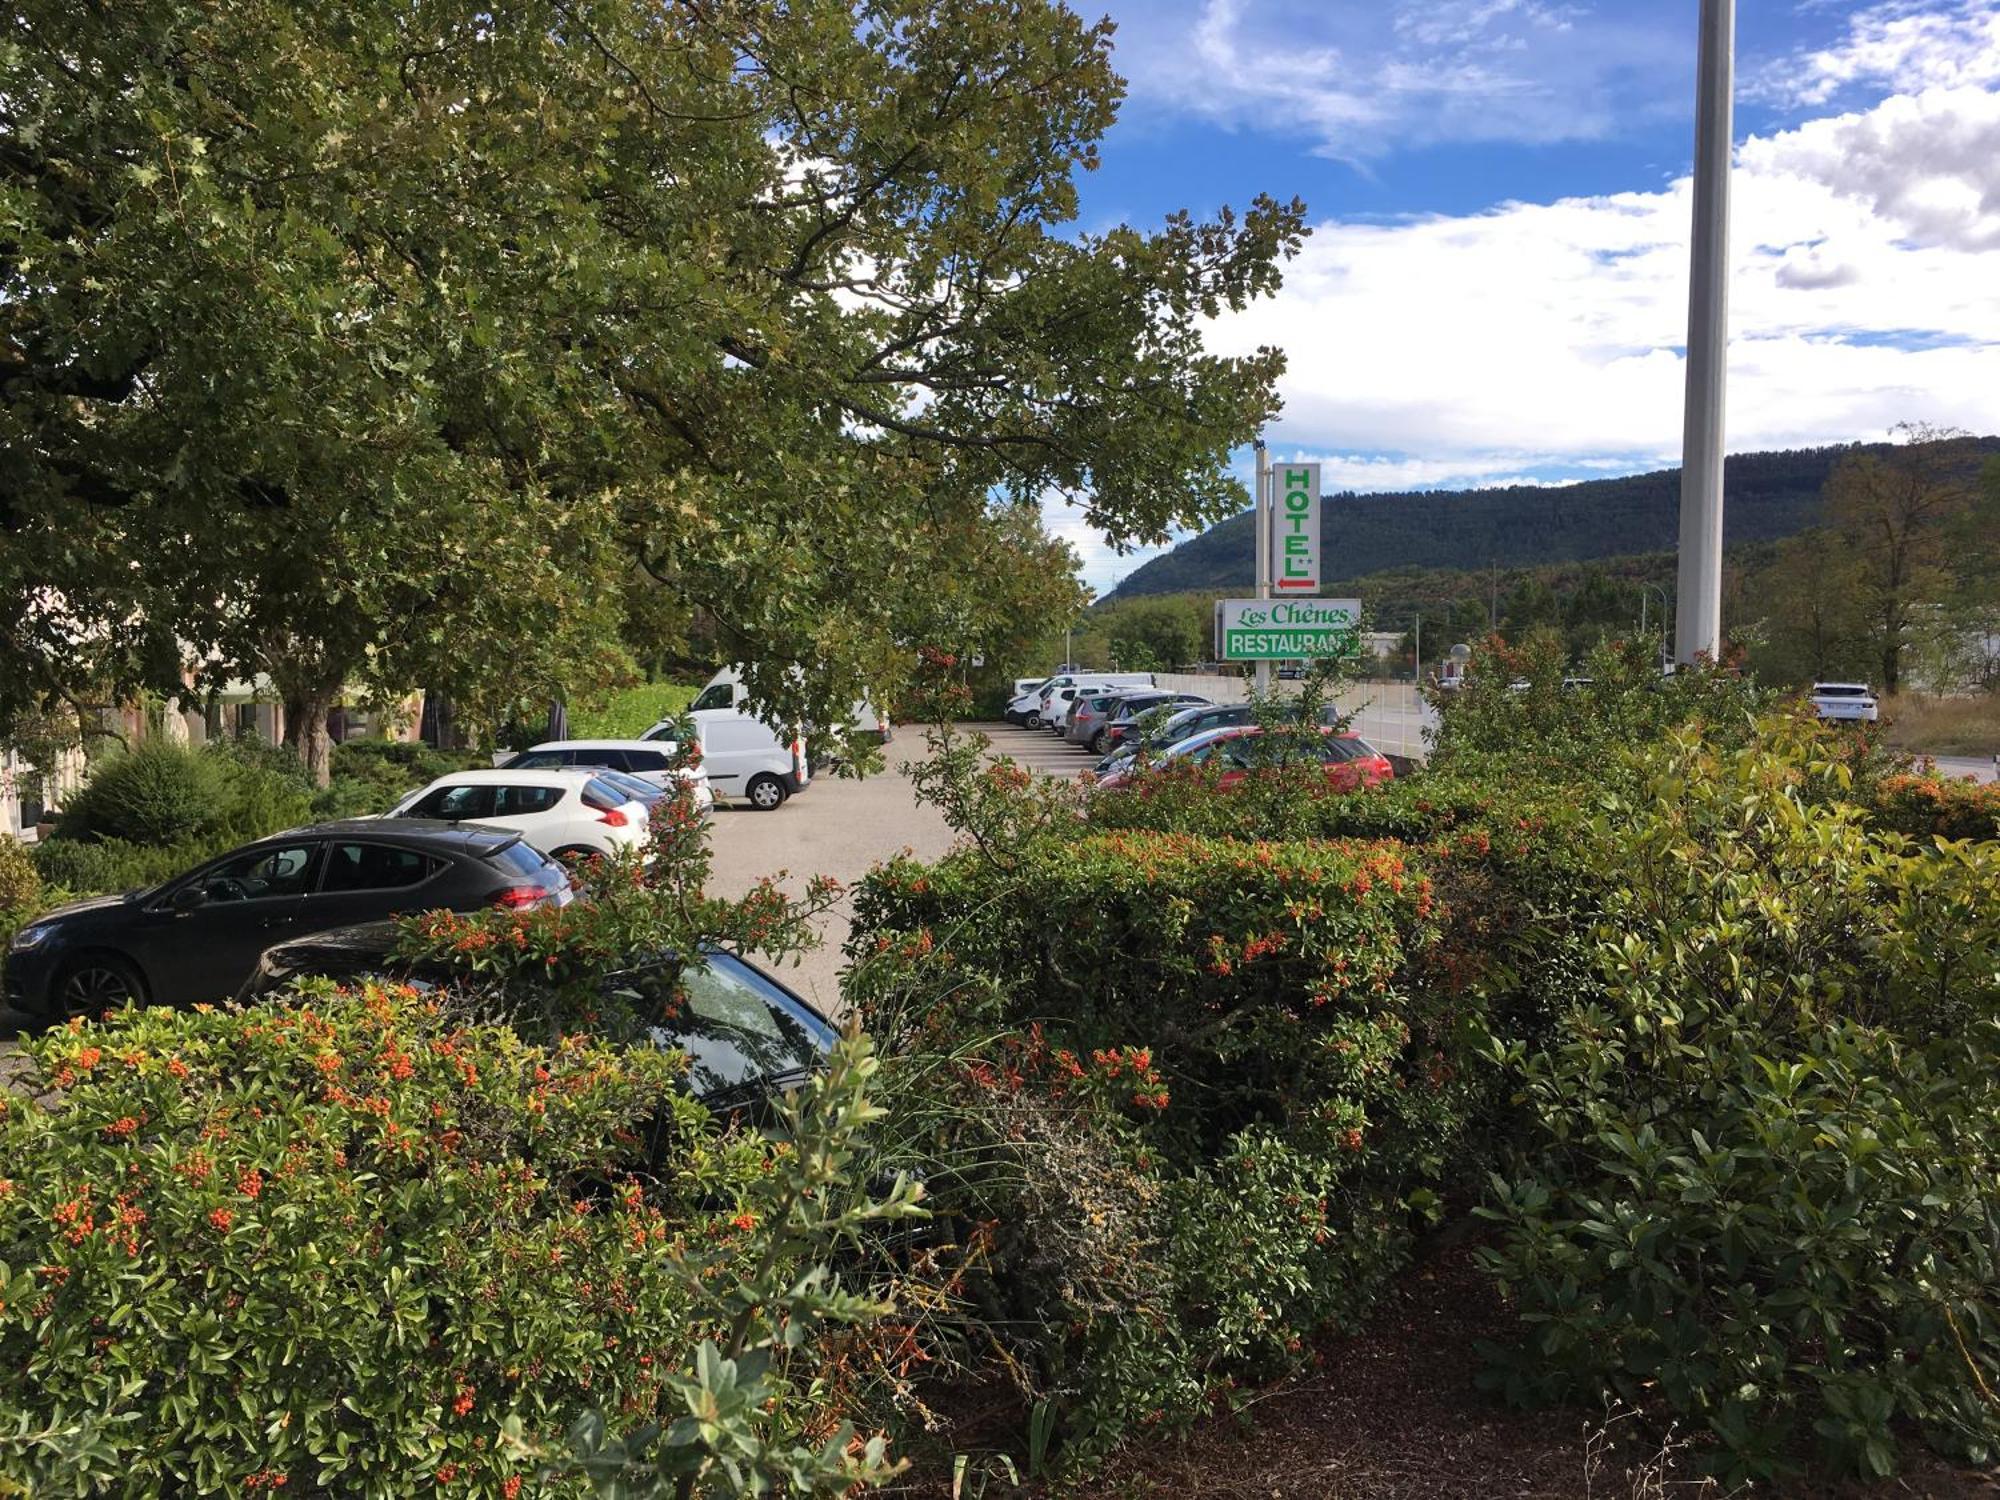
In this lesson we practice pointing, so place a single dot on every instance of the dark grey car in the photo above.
(197, 936)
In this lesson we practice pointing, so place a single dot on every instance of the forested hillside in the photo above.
(1770, 496)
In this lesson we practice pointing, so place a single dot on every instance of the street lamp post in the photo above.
(1698, 619)
(1646, 591)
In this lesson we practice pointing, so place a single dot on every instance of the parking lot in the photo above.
(843, 828)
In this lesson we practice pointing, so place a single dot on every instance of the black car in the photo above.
(194, 937)
(746, 1036)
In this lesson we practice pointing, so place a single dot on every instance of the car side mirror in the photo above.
(188, 897)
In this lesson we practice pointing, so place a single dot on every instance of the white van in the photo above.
(744, 757)
(725, 690)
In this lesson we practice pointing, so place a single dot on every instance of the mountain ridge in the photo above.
(1769, 495)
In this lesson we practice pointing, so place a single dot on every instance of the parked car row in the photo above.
(473, 839)
(1133, 725)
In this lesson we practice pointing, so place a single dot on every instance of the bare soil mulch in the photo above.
(1395, 1413)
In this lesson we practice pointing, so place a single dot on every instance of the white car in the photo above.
(1852, 702)
(648, 760)
(565, 814)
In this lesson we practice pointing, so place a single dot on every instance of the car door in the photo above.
(540, 814)
(210, 928)
(724, 752)
(362, 880)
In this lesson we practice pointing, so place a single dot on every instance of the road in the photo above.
(1979, 768)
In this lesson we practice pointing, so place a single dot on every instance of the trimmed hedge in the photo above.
(20, 882)
(1205, 1104)
(1754, 1181)
(159, 793)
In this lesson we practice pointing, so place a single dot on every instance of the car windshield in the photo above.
(1840, 690)
(715, 695)
(736, 1027)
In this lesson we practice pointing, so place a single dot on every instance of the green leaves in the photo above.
(421, 350)
(1750, 1188)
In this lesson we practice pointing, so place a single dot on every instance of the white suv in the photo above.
(1850, 701)
(565, 814)
(646, 759)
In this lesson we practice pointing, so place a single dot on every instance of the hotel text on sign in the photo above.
(1295, 528)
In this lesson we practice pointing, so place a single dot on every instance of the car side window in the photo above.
(719, 695)
(261, 874)
(645, 760)
(454, 803)
(374, 867)
(520, 801)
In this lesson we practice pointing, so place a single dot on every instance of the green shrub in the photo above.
(1515, 719)
(1756, 1188)
(343, 1242)
(265, 789)
(160, 793)
(632, 712)
(1203, 1094)
(371, 776)
(20, 882)
(88, 868)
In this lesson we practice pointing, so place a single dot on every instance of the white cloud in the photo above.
(1360, 79)
(1101, 565)
(1538, 335)
(1909, 45)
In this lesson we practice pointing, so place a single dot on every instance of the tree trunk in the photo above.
(306, 733)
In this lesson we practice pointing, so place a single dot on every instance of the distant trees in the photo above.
(1896, 514)
(1905, 566)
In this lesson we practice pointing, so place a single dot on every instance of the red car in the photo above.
(1350, 761)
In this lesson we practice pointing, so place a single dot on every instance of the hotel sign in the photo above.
(1295, 528)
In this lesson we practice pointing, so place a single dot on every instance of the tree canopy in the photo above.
(378, 342)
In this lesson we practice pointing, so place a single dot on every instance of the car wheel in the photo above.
(571, 855)
(1033, 721)
(1100, 742)
(766, 793)
(98, 982)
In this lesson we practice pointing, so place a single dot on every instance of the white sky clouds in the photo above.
(1865, 292)
(1904, 45)
(1363, 78)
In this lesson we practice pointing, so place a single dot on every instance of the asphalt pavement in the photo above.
(845, 828)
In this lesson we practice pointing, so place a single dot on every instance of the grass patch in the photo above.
(1943, 726)
(631, 713)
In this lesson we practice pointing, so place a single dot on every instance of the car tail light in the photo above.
(520, 897)
(615, 816)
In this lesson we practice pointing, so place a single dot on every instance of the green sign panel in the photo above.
(1287, 629)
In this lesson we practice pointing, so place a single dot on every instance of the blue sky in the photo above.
(1495, 287)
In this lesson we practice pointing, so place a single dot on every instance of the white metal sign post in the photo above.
(1295, 529)
(1262, 548)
